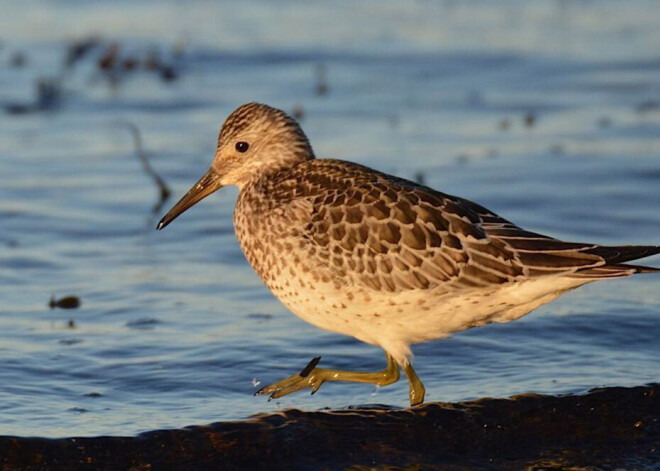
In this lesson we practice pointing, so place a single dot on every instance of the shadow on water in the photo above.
(605, 428)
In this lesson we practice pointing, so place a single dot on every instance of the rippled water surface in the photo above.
(546, 112)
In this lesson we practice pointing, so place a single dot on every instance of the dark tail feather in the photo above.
(612, 271)
(642, 269)
(624, 253)
(614, 256)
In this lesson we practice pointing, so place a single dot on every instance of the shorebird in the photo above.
(380, 258)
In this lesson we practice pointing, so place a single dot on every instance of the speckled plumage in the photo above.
(388, 261)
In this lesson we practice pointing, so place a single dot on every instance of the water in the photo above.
(174, 327)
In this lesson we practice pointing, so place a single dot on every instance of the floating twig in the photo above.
(79, 49)
(142, 155)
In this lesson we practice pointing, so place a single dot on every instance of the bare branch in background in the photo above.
(142, 155)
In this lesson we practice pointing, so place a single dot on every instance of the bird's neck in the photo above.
(263, 174)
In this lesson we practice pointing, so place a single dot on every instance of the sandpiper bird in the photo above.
(385, 260)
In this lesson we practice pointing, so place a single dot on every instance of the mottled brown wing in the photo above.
(538, 254)
(390, 234)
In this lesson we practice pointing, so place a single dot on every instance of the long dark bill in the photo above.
(209, 183)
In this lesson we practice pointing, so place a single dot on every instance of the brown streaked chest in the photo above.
(268, 223)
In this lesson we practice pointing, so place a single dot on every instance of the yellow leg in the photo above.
(417, 390)
(313, 377)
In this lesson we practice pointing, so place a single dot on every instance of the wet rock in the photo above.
(604, 429)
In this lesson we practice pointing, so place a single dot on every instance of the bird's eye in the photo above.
(242, 146)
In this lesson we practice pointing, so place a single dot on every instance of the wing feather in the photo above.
(390, 234)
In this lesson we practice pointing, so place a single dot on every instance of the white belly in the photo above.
(396, 320)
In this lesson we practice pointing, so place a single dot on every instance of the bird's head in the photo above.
(254, 142)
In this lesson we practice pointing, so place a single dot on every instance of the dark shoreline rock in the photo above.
(603, 429)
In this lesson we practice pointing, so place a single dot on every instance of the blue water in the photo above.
(174, 327)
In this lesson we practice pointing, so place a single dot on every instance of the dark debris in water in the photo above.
(144, 323)
(604, 122)
(17, 59)
(109, 58)
(66, 302)
(80, 48)
(604, 429)
(529, 120)
(557, 149)
(115, 64)
(48, 97)
(420, 177)
(168, 73)
(322, 87)
(260, 316)
(298, 112)
(504, 124)
(648, 106)
(110, 61)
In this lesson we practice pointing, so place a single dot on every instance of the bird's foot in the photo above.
(313, 377)
(309, 377)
